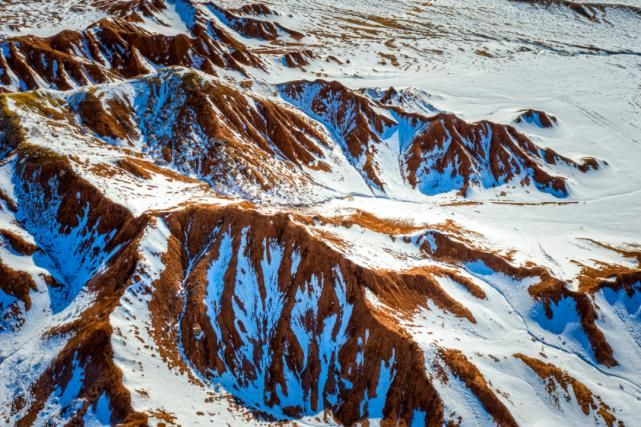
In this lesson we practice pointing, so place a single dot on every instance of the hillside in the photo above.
(320, 213)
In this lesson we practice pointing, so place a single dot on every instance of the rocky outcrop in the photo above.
(410, 99)
(556, 378)
(537, 118)
(230, 138)
(285, 333)
(448, 153)
(255, 9)
(298, 58)
(250, 27)
(121, 47)
(349, 117)
(438, 153)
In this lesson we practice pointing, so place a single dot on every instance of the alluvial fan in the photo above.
(320, 213)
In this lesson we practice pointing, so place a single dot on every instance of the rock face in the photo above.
(257, 282)
(187, 237)
(122, 46)
(448, 153)
(436, 153)
(537, 118)
(236, 141)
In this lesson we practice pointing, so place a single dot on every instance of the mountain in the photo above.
(329, 213)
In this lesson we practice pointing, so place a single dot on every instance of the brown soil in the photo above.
(298, 59)
(255, 9)
(363, 219)
(193, 230)
(89, 342)
(17, 243)
(547, 120)
(17, 284)
(116, 48)
(467, 372)
(555, 377)
(505, 147)
(594, 278)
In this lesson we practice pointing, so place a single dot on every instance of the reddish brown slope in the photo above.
(118, 47)
(449, 153)
(208, 128)
(438, 153)
(89, 344)
(307, 267)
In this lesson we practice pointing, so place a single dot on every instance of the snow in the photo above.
(620, 321)
(147, 375)
(99, 414)
(584, 73)
(70, 256)
(512, 333)
(372, 407)
(256, 320)
(40, 18)
(172, 21)
(64, 403)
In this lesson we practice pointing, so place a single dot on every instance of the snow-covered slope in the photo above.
(320, 213)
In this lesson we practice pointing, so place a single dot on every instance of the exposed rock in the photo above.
(537, 118)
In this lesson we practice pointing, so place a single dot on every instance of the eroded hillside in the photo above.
(221, 212)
